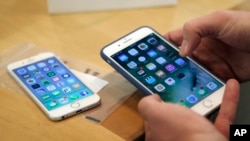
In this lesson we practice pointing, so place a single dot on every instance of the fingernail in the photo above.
(183, 48)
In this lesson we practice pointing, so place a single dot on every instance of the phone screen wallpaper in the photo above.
(52, 83)
(160, 68)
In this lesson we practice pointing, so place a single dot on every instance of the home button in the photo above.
(207, 103)
(75, 105)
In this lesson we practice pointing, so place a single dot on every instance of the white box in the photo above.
(68, 6)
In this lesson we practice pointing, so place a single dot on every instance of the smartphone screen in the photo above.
(159, 68)
(52, 83)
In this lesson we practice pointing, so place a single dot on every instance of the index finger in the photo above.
(194, 30)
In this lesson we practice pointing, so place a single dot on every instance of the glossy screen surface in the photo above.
(52, 83)
(159, 67)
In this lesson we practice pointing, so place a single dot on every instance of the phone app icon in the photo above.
(141, 59)
(180, 75)
(123, 57)
(46, 97)
(45, 82)
(56, 93)
(180, 62)
(170, 81)
(31, 68)
(161, 48)
(36, 72)
(151, 66)
(211, 85)
(85, 92)
(73, 96)
(66, 89)
(41, 91)
(51, 61)
(60, 84)
(152, 53)
(35, 86)
(50, 74)
(143, 46)
(21, 71)
(161, 60)
(201, 90)
(55, 65)
(46, 69)
(171, 55)
(152, 41)
(66, 75)
(76, 86)
(160, 73)
(40, 76)
(31, 81)
(71, 80)
(141, 71)
(182, 103)
(41, 64)
(52, 104)
(133, 52)
(192, 99)
(170, 67)
(150, 80)
(55, 79)
(64, 100)
(132, 65)
(60, 70)
(51, 87)
(159, 88)
(25, 76)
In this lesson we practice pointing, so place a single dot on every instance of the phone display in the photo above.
(52, 84)
(154, 65)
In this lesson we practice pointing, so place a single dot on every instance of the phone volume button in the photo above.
(108, 61)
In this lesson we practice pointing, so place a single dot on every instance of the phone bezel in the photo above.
(61, 112)
(204, 107)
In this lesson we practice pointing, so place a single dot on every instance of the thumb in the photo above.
(148, 103)
(196, 29)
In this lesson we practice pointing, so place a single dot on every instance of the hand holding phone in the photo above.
(154, 66)
(52, 86)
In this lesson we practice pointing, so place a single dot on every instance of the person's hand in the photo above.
(220, 40)
(172, 122)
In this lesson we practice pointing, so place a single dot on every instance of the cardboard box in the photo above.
(68, 6)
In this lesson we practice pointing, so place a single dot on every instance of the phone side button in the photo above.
(207, 103)
(75, 105)
(108, 61)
